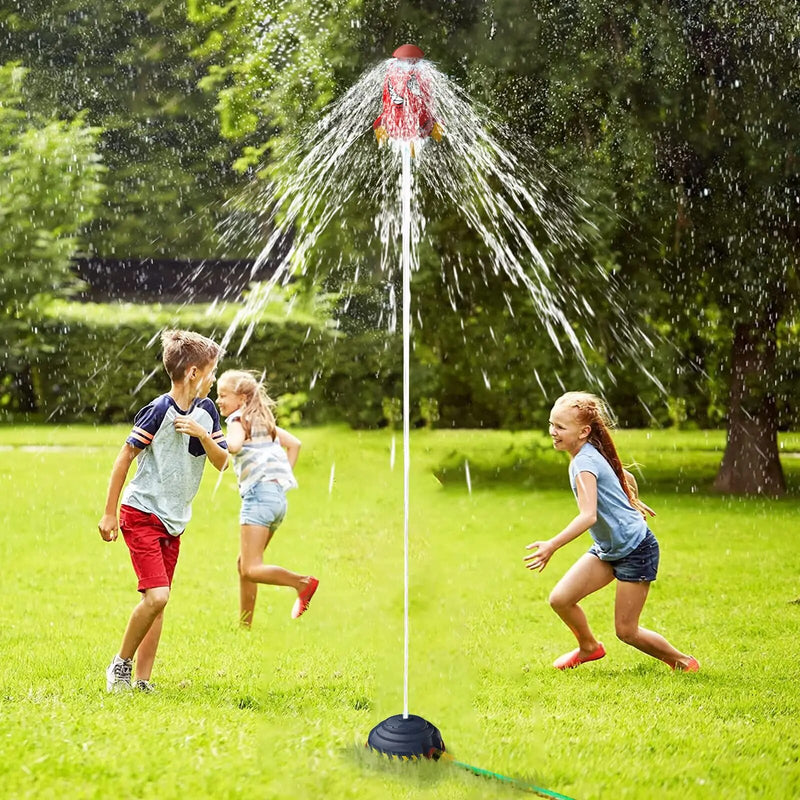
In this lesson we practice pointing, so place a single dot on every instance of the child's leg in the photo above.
(146, 654)
(144, 616)
(627, 609)
(585, 576)
(254, 540)
(248, 591)
(154, 555)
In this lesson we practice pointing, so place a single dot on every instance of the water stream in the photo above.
(496, 182)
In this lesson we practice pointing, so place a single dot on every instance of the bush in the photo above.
(101, 362)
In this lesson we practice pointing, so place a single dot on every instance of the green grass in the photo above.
(284, 710)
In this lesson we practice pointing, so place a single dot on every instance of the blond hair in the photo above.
(258, 408)
(592, 411)
(185, 349)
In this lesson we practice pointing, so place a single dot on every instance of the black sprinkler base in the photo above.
(406, 738)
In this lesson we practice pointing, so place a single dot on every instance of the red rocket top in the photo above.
(410, 51)
(407, 103)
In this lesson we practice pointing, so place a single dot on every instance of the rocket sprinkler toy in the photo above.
(407, 119)
(407, 106)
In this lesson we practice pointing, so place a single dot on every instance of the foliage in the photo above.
(676, 124)
(94, 358)
(128, 66)
(285, 708)
(103, 362)
(275, 67)
(50, 188)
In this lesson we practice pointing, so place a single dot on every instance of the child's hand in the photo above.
(189, 426)
(539, 559)
(108, 527)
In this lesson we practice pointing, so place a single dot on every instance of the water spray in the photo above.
(407, 119)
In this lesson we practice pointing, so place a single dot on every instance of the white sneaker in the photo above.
(143, 686)
(118, 675)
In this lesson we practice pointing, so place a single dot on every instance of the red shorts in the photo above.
(154, 551)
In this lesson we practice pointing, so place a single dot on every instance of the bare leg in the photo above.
(146, 654)
(627, 609)
(142, 618)
(252, 569)
(248, 591)
(585, 576)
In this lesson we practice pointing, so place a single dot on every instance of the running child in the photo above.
(623, 546)
(264, 456)
(171, 436)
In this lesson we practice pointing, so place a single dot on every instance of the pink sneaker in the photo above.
(304, 598)
(573, 659)
(692, 666)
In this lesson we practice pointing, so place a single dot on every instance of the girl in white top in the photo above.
(264, 456)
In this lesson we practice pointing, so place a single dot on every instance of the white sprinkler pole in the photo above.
(406, 233)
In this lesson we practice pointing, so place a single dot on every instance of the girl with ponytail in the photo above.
(264, 456)
(623, 547)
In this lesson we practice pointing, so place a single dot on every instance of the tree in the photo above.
(736, 185)
(675, 121)
(273, 90)
(128, 65)
(50, 184)
(683, 117)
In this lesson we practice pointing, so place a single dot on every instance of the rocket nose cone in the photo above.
(408, 51)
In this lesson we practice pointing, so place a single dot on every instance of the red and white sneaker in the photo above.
(304, 598)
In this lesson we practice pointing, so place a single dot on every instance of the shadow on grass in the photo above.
(421, 772)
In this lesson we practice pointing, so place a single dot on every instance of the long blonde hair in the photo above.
(258, 408)
(592, 411)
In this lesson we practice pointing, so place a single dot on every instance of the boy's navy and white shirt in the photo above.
(170, 464)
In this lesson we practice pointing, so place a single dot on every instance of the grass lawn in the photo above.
(283, 711)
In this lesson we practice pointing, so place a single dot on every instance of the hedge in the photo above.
(101, 362)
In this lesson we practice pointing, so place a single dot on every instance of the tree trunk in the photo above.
(751, 463)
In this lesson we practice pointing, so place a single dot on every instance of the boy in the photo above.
(171, 444)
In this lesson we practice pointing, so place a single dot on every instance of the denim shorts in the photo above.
(638, 566)
(263, 504)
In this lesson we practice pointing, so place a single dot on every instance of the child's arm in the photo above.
(586, 484)
(109, 523)
(217, 455)
(291, 444)
(234, 436)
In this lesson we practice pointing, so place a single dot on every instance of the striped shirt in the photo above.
(261, 459)
(170, 464)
